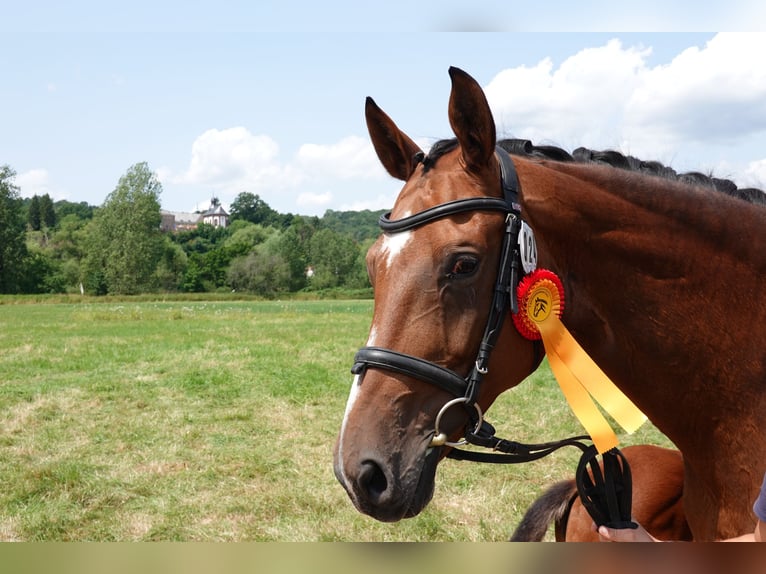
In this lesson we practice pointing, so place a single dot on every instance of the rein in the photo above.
(598, 491)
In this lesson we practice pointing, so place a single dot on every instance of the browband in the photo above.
(510, 202)
(437, 212)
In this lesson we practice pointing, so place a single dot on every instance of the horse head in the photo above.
(434, 282)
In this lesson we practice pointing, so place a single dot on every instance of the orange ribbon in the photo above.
(580, 378)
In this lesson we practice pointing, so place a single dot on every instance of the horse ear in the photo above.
(395, 149)
(471, 120)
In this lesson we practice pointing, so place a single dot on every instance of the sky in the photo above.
(268, 97)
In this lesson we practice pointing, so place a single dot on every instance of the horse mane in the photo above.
(526, 148)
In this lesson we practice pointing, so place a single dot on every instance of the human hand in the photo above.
(606, 534)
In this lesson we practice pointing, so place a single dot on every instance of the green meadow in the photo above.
(189, 420)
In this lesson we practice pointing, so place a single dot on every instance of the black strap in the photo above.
(511, 452)
(421, 369)
(509, 179)
(509, 182)
(606, 494)
(505, 284)
(439, 211)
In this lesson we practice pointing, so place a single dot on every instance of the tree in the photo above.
(332, 256)
(252, 208)
(13, 250)
(33, 218)
(192, 278)
(67, 248)
(358, 277)
(82, 210)
(169, 274)
(126, 243)
(293, 246)
(47, 213)
(360, 225)
(261, 272)
(41, 273)
(244, 236)
(202, 239)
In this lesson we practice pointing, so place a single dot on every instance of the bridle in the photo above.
(607, 497)
(464, 389)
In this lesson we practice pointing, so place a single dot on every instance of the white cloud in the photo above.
(381, 201)
(225, 156)
(578, 103)
(235, 156)
(609, 97)
(314, 199)
(706, 107)
(755, 175)
(37, 182)
(352, 157)
(718, 91)
(229, 161)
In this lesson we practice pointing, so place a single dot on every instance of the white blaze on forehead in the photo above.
(393, 245)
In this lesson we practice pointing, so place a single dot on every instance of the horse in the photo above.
(658, 476)
(661, 278)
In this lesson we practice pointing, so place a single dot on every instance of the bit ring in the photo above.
(440, 438)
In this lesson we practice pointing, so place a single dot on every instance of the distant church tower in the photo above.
(215, 215)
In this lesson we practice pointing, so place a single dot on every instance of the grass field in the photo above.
(215, 421)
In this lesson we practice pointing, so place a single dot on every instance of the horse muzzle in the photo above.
(384, 490)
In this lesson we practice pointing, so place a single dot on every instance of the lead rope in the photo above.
(605, 490)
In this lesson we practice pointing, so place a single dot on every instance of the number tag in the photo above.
(527, 248)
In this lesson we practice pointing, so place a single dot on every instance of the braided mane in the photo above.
(526, 148)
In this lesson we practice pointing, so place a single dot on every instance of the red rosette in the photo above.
(539, 294)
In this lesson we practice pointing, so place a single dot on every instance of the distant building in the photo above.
(215, 216)
(168, 222)
(179, 221)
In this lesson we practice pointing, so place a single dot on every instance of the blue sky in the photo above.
(238, 97)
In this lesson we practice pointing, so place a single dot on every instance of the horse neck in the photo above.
(660, 282)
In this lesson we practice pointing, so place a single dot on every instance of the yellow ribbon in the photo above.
(580, 379)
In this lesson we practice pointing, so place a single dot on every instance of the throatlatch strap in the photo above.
(607, 494)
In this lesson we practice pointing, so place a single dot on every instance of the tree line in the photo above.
(119, 248)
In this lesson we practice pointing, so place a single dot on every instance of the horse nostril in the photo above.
(373, 480)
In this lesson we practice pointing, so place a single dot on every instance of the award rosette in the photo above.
(541, 304)
(540, 294)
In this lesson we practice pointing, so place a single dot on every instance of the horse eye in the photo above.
(463, 266)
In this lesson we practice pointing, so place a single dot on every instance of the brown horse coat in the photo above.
(662, 283)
